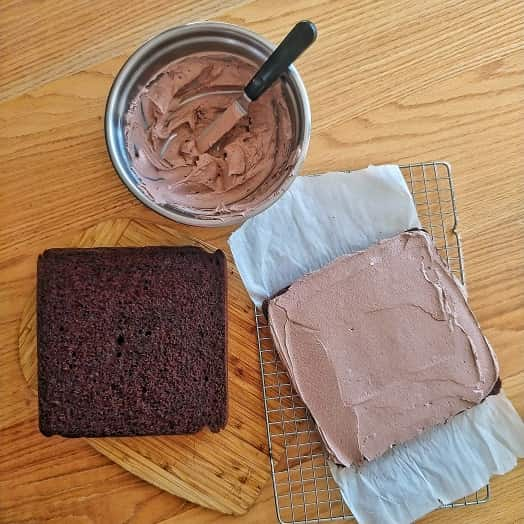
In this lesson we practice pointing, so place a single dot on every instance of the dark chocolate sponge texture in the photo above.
(131, 341)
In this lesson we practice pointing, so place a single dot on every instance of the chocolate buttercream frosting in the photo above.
(381, 345)
(169, 114)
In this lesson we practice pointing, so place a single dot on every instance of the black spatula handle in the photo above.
(293, 45)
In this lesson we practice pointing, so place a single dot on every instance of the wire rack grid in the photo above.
(304, 490)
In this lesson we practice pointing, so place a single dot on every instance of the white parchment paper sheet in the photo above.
(318, 219)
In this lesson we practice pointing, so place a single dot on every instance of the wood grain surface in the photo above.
(223, 471)
(389, 81)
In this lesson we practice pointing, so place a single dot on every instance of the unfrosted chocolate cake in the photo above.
(131, 341)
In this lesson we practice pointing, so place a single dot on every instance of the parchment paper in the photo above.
(318, 219)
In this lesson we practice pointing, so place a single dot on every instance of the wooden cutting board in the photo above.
(224, 471)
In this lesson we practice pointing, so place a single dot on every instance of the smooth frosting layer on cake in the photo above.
(382, 345)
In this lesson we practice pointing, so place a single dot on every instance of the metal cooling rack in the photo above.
(304, 489)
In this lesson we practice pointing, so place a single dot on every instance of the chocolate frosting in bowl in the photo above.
(381, 345)
(241, 169)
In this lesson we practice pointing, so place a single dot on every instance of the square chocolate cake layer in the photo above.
(131, 341)
(381, 345)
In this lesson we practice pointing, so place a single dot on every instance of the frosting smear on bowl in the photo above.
(167, 115)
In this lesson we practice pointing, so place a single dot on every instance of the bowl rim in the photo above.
(228, 220)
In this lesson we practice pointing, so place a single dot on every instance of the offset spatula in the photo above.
(293, 45)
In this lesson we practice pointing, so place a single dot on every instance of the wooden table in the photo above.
(391, 81)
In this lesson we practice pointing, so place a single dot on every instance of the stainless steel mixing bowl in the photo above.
(171, 45)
